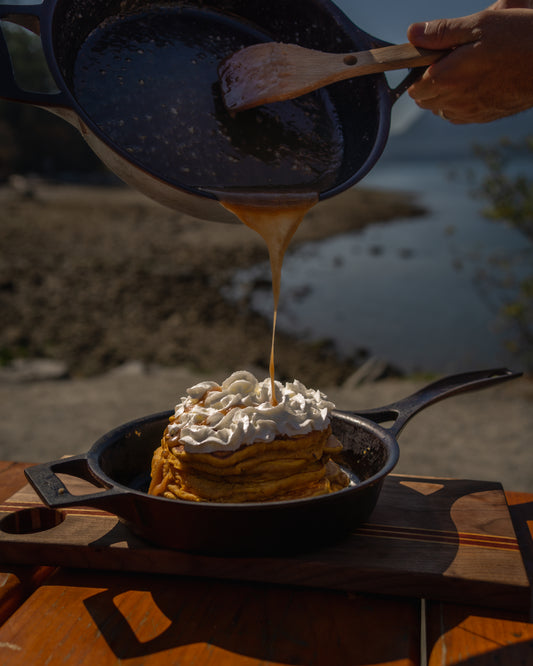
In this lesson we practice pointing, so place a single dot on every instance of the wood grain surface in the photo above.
(443, 539)
(16, 582)
(458, 633)
(462, 634)
(105, 617)
(108, 618)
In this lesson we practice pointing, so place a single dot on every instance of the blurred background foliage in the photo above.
(508, 197)
(33, 140)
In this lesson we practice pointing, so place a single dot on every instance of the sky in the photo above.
(389, 20)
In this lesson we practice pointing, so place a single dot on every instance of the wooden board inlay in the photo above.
(440, 537)
(445, 539)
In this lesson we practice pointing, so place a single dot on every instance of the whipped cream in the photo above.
(215, 417)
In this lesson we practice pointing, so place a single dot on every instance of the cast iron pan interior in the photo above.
(368, 450)
(125, 103)
(122, 460)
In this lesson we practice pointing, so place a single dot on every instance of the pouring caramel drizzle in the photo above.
(275, 218)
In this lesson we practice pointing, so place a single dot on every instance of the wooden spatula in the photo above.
(272, 72)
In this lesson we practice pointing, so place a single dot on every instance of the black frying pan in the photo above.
(139, 80)
(120, 463)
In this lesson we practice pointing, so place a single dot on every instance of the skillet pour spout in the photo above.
(120, 461)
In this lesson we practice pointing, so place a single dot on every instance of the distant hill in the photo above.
(429, 137)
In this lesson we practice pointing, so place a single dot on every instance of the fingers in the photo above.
(440, 79)
(448, 87)
(438, 89)
(443, 33)
(486, 73)
(512, 4)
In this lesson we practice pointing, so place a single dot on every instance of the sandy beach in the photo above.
(110, 308)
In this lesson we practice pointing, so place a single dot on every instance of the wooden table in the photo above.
(76, 616)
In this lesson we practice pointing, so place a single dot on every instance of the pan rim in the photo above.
(93, 457)
(384, 103)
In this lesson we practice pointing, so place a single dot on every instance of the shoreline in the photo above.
(119, 298)
(97, 277)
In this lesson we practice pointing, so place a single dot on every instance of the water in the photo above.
(421, 293)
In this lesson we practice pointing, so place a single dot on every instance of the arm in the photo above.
(489, 71)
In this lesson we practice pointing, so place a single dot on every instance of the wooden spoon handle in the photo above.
(338, 67)
(273, 72)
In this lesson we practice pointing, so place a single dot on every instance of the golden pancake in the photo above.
(285, 467)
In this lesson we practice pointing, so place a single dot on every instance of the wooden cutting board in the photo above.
(445, 539)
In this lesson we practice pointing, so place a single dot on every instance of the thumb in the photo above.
(442, 33)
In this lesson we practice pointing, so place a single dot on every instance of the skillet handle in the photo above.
(403, 410)
(412, 76)
(52, 490)
(27, 16)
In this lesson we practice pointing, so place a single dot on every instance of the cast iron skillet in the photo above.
(120, 463)
(120, 85)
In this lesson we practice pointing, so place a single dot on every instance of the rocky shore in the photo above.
(95, 277)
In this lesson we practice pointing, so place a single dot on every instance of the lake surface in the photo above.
(423, 294)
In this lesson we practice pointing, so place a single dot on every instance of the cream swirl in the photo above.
(215, 417)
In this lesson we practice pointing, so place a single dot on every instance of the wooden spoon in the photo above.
(272, 72)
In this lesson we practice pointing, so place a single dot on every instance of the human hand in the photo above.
(487, 74)
(512, 4)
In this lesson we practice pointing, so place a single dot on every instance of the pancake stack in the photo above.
(230, 443)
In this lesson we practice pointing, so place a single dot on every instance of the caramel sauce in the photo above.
(149, 81)
(275, 218)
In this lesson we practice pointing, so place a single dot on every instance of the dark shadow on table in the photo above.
(288, 624)
(520, 515)
(520, 654)
(513, 645)
(279, 624)
(509, 645)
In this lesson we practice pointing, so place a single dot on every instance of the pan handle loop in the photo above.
(53, 491)
(403, 410)
(413, 75)
(27, 16)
